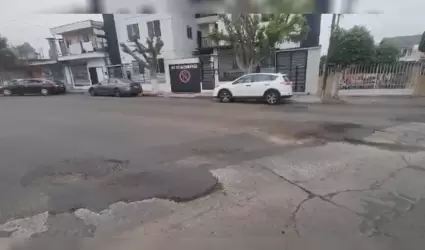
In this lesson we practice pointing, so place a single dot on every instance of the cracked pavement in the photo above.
(155, 173)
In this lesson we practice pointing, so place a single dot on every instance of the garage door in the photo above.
(294, 64)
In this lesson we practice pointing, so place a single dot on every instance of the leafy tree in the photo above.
(352, 46)
(422, 43)
(386, 53)
(147, 56)
(8, 56)
(253, 40)
(25, 50)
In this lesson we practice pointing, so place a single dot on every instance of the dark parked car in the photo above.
(33, 87)
(116, 87)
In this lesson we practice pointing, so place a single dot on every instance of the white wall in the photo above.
(183, 46)
(415, 54)
(173, 33)
(312, 72)
(121, 22)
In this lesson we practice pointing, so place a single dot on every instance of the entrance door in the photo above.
(208, 73)
(93, 76)
(294, 64)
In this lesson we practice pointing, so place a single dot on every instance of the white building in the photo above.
(178, 31)
(185, 37)
(408, 46)
(81, 48)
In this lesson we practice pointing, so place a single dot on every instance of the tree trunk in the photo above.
(324, 95)
(154, 81)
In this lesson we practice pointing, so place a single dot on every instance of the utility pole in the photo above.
(325, 70)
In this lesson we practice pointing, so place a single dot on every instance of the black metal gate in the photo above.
(208, 72)
(293, 63)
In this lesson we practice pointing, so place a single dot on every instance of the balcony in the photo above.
(207, 42)
(82, 50)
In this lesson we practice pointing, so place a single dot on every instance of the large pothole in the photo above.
(94, 184)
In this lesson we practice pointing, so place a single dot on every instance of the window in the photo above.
(189, 32)
(133, 31)
(34, 81)
(154, 28)
(244, 79)
(160, 66)
(264, 78)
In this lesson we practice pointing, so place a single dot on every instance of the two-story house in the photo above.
(408, 46)
(81, 48)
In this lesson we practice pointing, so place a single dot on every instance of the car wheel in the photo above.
(7, 92)
(92, 92)
(44, 92)
(225, 96)
(272, 97)
(117, 93)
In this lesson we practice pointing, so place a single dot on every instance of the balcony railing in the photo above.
(81, 48)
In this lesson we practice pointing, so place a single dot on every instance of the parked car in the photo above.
(116, 87)
(270, 87)
(33, 86)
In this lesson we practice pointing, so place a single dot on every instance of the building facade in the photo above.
(81, 49)
(186, 36)
(408, 47)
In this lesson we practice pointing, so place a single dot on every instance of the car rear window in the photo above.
(286, 78)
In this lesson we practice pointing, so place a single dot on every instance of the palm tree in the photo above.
(253, 40)
(149, 56)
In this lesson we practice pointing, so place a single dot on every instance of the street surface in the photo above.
(82, 172)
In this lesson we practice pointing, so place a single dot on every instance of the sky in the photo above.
(26, 20)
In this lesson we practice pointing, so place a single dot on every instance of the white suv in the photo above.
(268, 86)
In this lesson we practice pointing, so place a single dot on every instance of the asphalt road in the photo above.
(62, 154)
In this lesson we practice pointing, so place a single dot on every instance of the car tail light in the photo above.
(286, 82)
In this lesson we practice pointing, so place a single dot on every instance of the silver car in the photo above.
(116, 87)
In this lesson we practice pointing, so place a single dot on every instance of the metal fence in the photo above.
(133, 71)
(398, 75)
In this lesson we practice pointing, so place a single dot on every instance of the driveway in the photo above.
(106, 173)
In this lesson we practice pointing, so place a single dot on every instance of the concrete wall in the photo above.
(312, 72)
